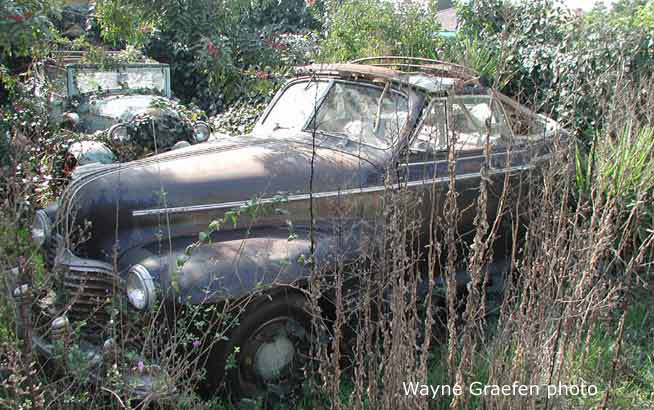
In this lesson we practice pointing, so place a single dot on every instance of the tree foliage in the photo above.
(565, 64)
(208, 43)
(360, 28)
(24, 24)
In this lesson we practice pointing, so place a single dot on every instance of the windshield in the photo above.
(97, 79)
(366, 114)
(293, 109)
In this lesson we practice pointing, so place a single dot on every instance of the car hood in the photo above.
(126, 204)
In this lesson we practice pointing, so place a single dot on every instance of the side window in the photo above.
(526, 125)
(474, 119)
(431, 135)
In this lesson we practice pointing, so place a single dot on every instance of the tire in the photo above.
(267, 353)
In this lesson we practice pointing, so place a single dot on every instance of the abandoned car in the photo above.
(122, 111)
(333, 140)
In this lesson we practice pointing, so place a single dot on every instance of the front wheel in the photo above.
(267, 354)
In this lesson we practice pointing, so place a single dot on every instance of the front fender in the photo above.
(234, 264)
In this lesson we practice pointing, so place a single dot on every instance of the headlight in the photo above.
(201, 131)
(41, 227)
(140, 287)
(118, 133)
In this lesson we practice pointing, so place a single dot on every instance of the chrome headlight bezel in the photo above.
(118, 133)
(41, 227)
(201, 132)
(139, 287)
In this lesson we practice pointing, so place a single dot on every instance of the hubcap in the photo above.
(272, 358)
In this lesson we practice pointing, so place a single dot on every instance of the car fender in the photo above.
(235, 263)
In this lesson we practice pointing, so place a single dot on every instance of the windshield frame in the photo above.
(72, 69)
(307, 128)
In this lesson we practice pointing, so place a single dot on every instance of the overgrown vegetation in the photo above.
(573, 304)
(362, 28)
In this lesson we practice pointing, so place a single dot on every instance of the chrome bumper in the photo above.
(88, 361)
(148, 382)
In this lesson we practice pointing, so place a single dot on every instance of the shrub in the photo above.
(122, 21)
(206, 42)
(568, 65)
(23, 24)
(360, 28)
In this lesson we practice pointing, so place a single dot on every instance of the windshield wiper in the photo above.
(276, 127)
(335, 134)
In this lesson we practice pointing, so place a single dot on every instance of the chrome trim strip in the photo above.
(317, 195)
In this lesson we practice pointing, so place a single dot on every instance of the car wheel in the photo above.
(267, 354)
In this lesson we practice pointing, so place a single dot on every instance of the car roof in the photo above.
(432, 76)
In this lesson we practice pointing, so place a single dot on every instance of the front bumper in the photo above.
(89, 362)
(106, 364)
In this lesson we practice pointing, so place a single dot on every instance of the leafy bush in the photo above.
(360, 28)
(23, 26)
(207, 43)
(242, 114)
(122, 21)
(566, 64)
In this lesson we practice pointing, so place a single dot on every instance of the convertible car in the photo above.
(332, 142)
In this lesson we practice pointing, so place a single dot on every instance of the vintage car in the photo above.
(334, 139)
(113, 107)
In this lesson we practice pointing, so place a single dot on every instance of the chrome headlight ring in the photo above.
(201, 131)
(41, 227)
(140, 287)
(118, 133)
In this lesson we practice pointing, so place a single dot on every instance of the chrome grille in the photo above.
(89, 297)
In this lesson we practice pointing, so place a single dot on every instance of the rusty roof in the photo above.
(430, 75)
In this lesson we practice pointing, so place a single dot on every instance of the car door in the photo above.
(458, 127)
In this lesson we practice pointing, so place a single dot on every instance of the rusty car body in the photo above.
(334, 137)
(118, 108)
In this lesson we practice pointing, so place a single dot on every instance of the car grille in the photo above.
(89, 295)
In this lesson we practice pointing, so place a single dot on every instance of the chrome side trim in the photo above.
(317, 195)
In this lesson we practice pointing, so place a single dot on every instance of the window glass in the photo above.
(526, 125)
(295, 106)
(432, 136)
(473, 119)
(97, 79)
(364, 114)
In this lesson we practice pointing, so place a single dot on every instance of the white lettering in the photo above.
(475, 389)
(412, 388)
